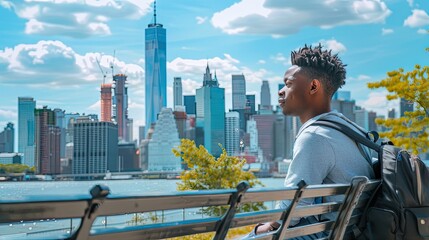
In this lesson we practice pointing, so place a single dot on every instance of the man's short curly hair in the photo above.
(322, 65)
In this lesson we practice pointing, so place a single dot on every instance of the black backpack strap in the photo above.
(348, 132)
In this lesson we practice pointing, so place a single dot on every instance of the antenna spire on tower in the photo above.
(154, 12)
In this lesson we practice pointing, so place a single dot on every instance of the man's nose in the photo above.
(281, 92)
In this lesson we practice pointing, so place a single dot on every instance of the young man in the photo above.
(321, 155)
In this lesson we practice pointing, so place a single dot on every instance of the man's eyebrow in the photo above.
(290, 77)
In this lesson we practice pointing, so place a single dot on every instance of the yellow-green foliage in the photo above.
(233, 233)
(143, 218)
(206, 172)
(15, 168)
(410, 131)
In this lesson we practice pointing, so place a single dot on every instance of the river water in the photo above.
(44, 228)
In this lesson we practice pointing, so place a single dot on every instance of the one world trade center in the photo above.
(155, 70)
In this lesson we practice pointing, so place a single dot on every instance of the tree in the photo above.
(143, 218)
(14, 168)
(410, 131)
(207, 172)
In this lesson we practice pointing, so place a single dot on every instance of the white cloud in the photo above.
(141, 62)
(422, 31)
(270, 16)
(231, 59)
(280, 58)
(189, 86)
(332, 44)
(410, 2)
(75, 18)
(200, 20)
(8, 114)
(419, 18)
(5, 4)
(262, 61)
(386, 31)
(135, 105)
(363, 77)
(53, 64)
(95, 107)
(377, 102)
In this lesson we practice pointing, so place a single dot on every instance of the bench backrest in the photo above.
(88, 209)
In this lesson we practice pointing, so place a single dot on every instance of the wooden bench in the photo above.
(88, 209)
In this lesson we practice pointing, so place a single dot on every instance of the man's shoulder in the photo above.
(327, 132)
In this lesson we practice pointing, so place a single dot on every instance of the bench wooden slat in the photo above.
(276, 194)
(15, 212)
(309, 210)
(117, 206)
(309, 229)
(157, 231)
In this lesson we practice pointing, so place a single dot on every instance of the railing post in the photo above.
(234, 201)
(287, 214)
(98, 193)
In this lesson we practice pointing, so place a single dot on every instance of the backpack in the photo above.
(399, 209)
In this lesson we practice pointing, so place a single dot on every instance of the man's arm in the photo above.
(313, 159)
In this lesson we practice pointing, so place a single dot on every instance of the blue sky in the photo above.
(48, 48)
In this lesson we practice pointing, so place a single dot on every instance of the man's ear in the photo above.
(315, 86)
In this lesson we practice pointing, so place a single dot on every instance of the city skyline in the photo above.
(52, 58)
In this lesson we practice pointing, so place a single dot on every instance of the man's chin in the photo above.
(289, 112)
(286, 112)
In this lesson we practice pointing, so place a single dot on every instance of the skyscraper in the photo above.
(372, 125)
(70, 119)
(250, 104)
(210, 127)
(342, 95)
(128, 157)
(155, 70)
(141, 133)
(232, 133)
(265, 96)
(106, 102)
(280, 137)
(405, 106)
(129, 130)
(60, 121)
(265, 126)
(95, 146)
(177, 92)
(7, 139)
(164, 138)
(180, 118)
(121, 105)
(346, 107)
(190, 104)
(391, 113)
(47, 142)
(238, 92)
(362, 117)
(26, 107)
(252, 130)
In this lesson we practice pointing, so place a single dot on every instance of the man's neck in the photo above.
(314, 112)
